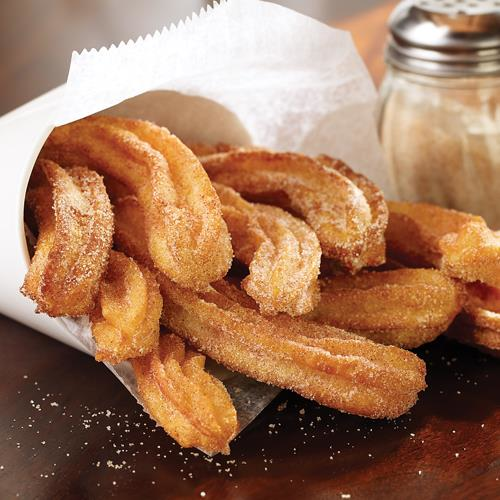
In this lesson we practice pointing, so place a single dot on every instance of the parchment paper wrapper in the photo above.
(243, 72)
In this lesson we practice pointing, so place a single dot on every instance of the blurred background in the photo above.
(38, 36)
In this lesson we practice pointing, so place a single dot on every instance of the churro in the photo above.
(75, 228)
(282, 252)
(459, 244)
(479, 325)
(191, 405)
(328, 201)
(186, 234)
(125, 322)
(403, 307)
(374, 250)
(333, 367)
(336, 368)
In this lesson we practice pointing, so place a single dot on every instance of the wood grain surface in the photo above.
(68, 429)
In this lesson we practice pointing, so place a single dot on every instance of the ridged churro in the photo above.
(479, 324)
(333, 367)
(190, 404)
(484, 339)
(329, 202)
(125, 321)
(282, 252)
(338, 337)
(75, 228)
(374, 250)
(187, 237)
(459, 244)
(336, 368)
(403, 307)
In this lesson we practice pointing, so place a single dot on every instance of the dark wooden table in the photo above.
(68, 429)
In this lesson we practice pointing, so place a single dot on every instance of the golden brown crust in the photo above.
(282, 252)
(479, 324)
(130, 235)
(187, 237)
(203, 149)
(329, 365)
(168, 217)
(484, 339)
(172, 406)
(330, 203)
(333, 367)
(471, 254)
(459, 244)
(125, 321)
(191, 405)
(374, 250)
(481, 296)
(75, 228)
(403, 307)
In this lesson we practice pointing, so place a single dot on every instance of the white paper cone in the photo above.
(22, 134)
(242, 72)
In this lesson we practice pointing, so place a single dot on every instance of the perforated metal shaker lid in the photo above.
(445, 37)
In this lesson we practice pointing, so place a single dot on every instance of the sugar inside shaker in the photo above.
(439, 118)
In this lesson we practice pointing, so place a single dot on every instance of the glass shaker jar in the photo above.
(439, 118)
